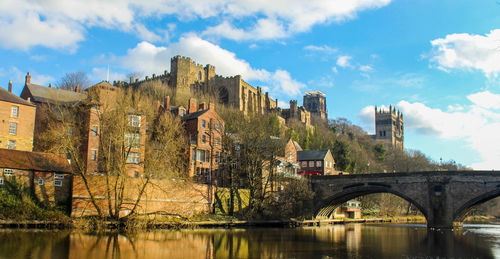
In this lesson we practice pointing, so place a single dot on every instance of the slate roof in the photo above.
(311, 155)
(193, 115)
(45, 94)
(7, 96)
(36, 161)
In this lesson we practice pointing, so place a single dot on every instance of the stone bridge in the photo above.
(443, 197)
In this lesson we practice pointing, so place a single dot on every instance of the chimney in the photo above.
(202, 106)
(211, 106)
(50, 85)
(157, 107)
(131, 79)
(166, 104)
(28, 79)
(192, 105)
(10, 86)
(76, 89)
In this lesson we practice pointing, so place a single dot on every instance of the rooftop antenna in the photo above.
(107, 76)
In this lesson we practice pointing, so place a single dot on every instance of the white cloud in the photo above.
(477, 124)
(283, 104)
(322, 49)
(344, 61)
(148, 58)
(468, 51)
(63, 24)
(335, 70)
(366, 68)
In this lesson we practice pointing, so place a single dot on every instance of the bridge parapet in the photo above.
(442, 196)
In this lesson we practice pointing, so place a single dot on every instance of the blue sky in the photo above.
(437, 61)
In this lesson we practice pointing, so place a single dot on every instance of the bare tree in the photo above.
(74, 81)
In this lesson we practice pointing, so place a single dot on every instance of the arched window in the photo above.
(199, 75)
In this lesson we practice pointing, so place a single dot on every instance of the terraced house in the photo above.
(17, 121)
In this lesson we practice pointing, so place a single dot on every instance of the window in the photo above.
(203, 123)
(290, 156)
(193, 155)
(318, 163)
(207, 156)
(182, 112)
(11, 144)
(200, 155)
(132, 140)
(40, 181)
(311, 163)
(217, 141)
(13, 128)
(14, 112)
(133, 158)
(199, 75)
(203, 139)
(134, 120)
(304, 163)
(216, 157)
(57, 182)
(95, 129)
(58, 176)
(93, 155)
(219, 126)
(1, 181)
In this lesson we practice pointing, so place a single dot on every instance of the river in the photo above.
(336, 241)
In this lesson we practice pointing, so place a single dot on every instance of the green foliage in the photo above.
(16, 203)
(341, 154)
(380, 152)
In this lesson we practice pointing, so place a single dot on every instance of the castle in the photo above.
(389, 127)
(186, 76)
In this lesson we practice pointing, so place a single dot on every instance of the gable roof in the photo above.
(312, 155)
(7, 96)
(297, 146)
(36, 161)
(193, 115)
(45, 94)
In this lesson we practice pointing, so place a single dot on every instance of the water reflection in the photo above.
(339, 241)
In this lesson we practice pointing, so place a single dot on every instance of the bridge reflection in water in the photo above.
(338, 241)
(443, 197)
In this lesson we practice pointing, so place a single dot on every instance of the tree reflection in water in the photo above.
(339, 241)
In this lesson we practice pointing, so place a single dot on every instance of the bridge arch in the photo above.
(328, 205)
(461, 212)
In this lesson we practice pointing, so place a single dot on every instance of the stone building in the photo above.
(389, 127)
(296, 113)
(17, 121)
(93, 101)
(186, 77)
(315, 102)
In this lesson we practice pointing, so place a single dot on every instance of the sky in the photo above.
(438, 62)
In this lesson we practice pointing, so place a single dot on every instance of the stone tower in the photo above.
(389, 127)
(315, 102)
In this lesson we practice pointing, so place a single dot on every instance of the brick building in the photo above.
(204, 129)
(48, 176)
(17, 121)
(89, 105)
(316, 162)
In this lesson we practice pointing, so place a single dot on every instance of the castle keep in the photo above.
(389, 127)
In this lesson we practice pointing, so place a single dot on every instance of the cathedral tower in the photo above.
(389, 127)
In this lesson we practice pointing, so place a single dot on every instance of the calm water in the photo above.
(339, 241)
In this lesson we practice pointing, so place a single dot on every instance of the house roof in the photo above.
(193, 115)
(312, 155)
(54, 95)
(7, 96)
(297, 146)
(36, 161)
